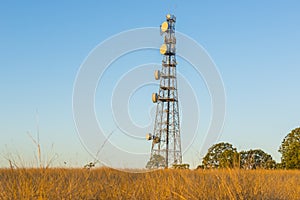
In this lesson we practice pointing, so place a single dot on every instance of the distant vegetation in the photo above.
(224, 155)
(290, 150)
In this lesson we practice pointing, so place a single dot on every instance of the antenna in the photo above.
(166, 143)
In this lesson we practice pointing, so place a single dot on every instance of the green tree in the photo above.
(290, 150)
(221, 155)
(257, 158)
(156, 161)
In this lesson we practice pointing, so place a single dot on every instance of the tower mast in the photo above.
(166, 143)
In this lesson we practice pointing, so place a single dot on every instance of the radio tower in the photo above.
(166, 144)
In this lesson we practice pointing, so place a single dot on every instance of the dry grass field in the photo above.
(106, 183)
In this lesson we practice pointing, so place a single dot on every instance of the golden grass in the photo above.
(106, 183)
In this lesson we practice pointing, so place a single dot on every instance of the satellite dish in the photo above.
(157, 74)
(148, 136)
(164, 26)
(156, 139)
(154, 97)
(163, 49)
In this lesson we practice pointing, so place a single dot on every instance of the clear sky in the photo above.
(255, 45)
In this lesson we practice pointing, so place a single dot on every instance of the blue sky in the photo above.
(254, 44)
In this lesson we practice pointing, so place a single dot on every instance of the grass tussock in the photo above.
(106, 183)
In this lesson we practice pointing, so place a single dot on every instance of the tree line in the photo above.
(224, 155)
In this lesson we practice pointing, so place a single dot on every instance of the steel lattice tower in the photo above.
(166, 143)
